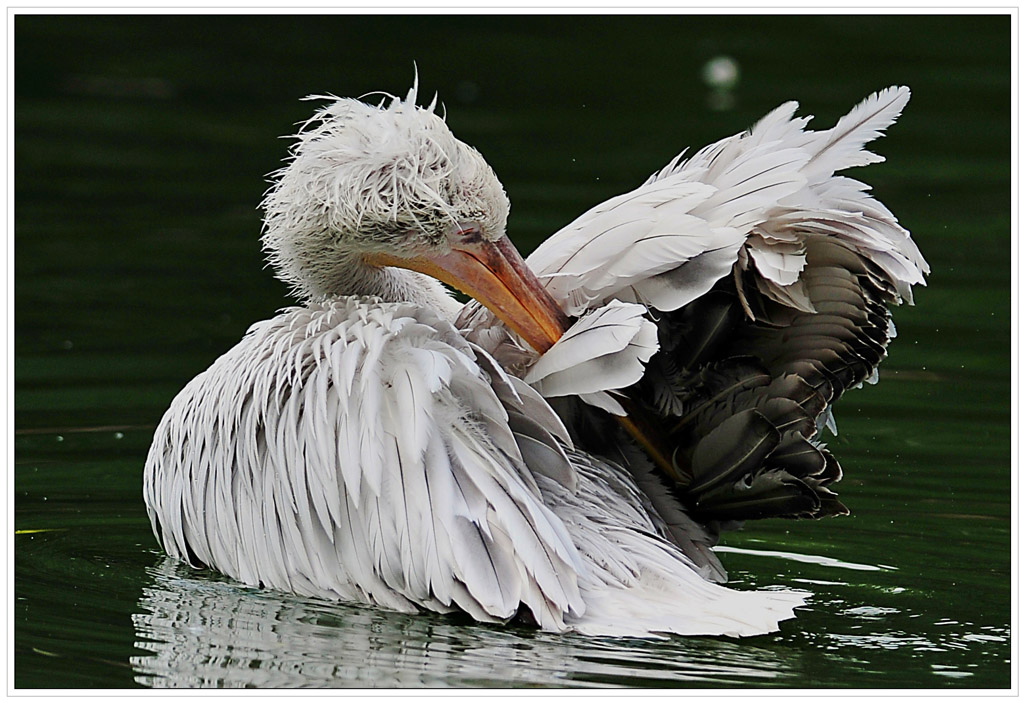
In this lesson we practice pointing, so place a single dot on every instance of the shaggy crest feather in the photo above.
(361, 179)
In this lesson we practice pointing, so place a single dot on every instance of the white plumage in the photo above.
(768, 189)
(380, 445)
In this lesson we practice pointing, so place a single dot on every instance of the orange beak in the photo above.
(495, 274)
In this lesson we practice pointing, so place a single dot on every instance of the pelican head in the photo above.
(371, 188)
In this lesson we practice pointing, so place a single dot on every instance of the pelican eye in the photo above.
(470, 234)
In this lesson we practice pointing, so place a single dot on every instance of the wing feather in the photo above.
(755, 248)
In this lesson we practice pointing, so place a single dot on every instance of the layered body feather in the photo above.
(366, 451)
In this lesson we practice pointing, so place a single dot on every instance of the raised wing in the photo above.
(769, 277)
(764, 191)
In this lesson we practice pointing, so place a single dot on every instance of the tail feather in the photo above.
(636, 580)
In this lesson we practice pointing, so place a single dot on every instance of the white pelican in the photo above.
(382, 444)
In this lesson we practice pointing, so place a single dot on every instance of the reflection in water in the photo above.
(201, 632)
(805, 558)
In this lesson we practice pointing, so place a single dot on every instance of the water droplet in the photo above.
(721, 73)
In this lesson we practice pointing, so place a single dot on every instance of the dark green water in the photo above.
(141, 149)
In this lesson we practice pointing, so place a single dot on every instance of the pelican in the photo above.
(564, 449)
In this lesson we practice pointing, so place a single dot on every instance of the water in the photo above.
(141, 150)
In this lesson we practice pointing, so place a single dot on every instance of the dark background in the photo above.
(142, 146)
